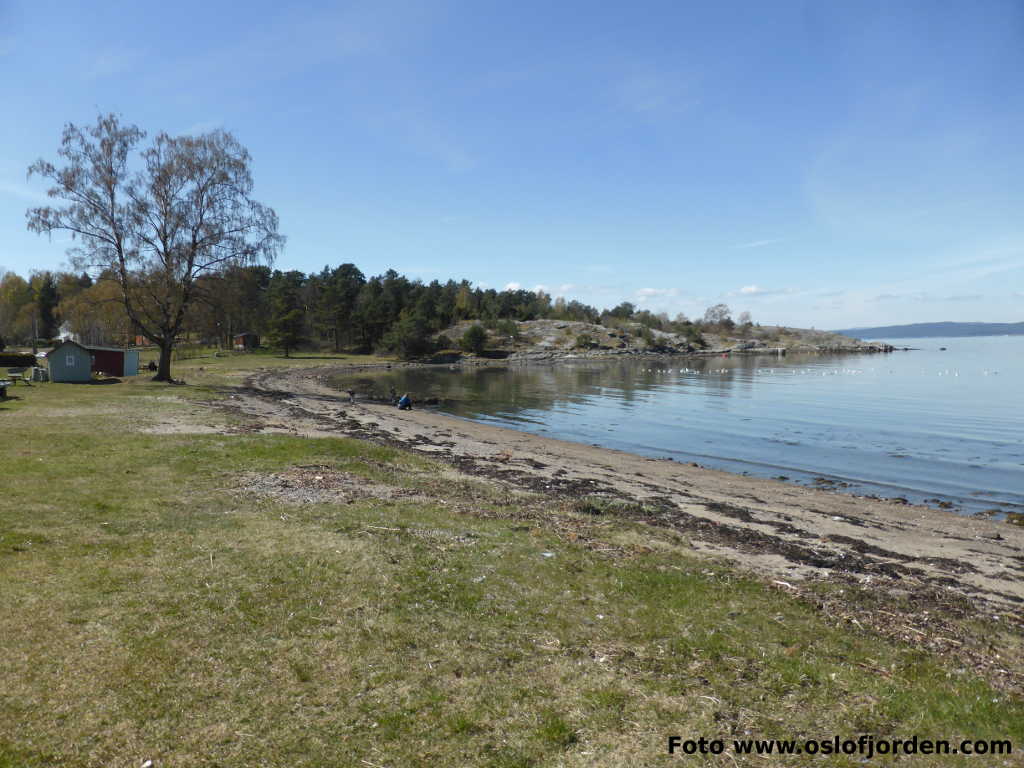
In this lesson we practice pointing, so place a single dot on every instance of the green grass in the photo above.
(153, 608)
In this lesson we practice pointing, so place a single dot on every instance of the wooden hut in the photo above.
(243, 342)
(71, 361)
(114, 361)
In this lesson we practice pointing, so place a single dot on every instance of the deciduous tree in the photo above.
(717, 314)
(187, 212)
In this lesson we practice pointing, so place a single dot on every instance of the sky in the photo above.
(818, 164)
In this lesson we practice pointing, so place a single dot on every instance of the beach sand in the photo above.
(783, 532)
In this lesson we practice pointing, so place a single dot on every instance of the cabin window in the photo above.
(69, 361)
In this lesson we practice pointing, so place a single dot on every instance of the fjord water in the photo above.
(929, 424)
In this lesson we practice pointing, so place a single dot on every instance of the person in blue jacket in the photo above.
(404, 403)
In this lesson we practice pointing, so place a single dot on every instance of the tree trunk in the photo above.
(163, 371)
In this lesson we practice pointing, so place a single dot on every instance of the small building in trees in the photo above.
(71, 362)
(244, 342)
(114, 361)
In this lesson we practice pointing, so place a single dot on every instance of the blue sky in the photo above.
(818, 163)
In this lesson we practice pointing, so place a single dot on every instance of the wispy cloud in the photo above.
(298, 42)
(512, 286)
(758, 243)
(24, 192)
(429, 137)
(649, 90)
(203, 127)
(646, 294)
(924, 296)
(960, 297)
(757, 292)
(1007, 256)
(889, 297)
(111, 61)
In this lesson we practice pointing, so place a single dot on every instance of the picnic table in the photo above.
(4, 384)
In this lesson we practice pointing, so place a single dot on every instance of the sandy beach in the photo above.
(783, 532)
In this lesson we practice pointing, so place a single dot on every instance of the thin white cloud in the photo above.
(24, 192)
(512, 286)
(924, 296)
(540, 287)
(646, 294)
(758, 243)
(652, 91)
(203, 127)
(963, 297)
(109, 62)
(757, 292)
(565, 288)
(431, 138)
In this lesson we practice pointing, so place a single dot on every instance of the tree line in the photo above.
(337, 308)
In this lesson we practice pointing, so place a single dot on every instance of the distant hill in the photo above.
(930, 330)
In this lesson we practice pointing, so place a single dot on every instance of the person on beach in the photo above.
(405, 403)
(351, 395)
(392, 396)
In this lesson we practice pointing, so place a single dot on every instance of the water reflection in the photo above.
(924, 425)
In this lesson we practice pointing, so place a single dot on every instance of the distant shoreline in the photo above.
(949, 330)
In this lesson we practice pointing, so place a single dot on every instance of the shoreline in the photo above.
(784, 532)
(962, 502)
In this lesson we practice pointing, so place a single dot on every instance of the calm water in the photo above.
(926, 424)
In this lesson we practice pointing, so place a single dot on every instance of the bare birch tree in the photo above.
(184, 212)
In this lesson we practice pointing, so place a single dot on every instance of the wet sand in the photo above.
(784, 532)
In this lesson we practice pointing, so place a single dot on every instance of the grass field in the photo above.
(160, 603)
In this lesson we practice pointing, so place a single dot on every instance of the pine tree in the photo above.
(287, 313)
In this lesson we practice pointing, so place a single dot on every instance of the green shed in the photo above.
(69, 361)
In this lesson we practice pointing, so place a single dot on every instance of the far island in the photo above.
(936, 330)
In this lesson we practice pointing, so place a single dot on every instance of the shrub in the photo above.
(508, 328)
(474, 339)
(584, 341)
